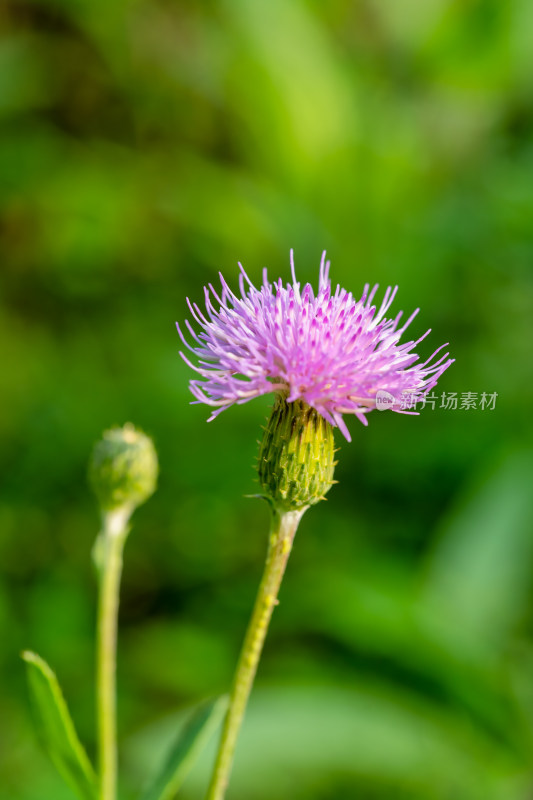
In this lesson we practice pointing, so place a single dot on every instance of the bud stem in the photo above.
(115, 530)
(282, 532)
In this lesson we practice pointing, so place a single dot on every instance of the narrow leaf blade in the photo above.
(56, 729)
(186, 749)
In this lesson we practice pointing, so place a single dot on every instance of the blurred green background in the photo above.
(146, 144)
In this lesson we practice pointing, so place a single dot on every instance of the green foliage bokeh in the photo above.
(147, 144)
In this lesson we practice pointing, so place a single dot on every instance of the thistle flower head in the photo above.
(123, 469)
(331, 350)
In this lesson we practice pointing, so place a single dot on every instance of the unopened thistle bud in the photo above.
(123, 469)
(296, 458)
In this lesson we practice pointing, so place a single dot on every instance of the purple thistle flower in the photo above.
(332, 351)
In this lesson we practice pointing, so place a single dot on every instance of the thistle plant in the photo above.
(123, 473)
(323, 357)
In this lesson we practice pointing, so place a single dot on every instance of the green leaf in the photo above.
(56, 728)
(186, 749)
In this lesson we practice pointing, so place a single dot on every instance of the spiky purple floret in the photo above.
(333, 351)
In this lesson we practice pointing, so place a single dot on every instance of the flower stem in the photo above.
(110, 556)
(283, 529)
